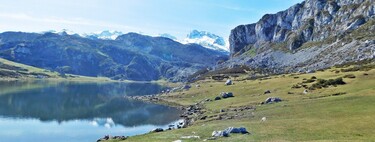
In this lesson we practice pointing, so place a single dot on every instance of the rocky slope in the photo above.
(131, 56)
(308, 36)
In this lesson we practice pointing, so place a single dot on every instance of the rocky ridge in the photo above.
(310, 35)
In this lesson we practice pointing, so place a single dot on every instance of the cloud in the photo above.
(61, 22)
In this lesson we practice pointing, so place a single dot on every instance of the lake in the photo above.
(72, 111)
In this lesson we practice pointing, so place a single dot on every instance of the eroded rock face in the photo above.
(311, 20)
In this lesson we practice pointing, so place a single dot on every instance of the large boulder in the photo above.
(272, 100)
(241, 130)
(226, 94)
(228, 82)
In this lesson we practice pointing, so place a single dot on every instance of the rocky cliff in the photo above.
(310, 35)
(311, 20)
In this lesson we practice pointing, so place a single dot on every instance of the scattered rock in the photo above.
(241, 130)
(217, 98)
(226, 132)
(197, 85)
(203, 118)
(271, 100)
(190, 137)
(158, 130)
(226, 94)
(267, 92)
(108, 137)
(263, 119)
(228, 82)
(305, 91)
(177, 141)
(220, 134)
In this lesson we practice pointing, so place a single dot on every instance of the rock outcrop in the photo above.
(311, 20)
(311, 35)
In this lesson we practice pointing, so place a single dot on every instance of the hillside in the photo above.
(9, 69)
(332, 113)
(130, 57)
(312, 35)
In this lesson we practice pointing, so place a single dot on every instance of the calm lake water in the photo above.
(67, 111)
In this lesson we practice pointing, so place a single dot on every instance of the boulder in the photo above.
(217, 98)
(226, 94)
(241, 130)
(305, 91)
(267, 92)
(272, 99)
(228, 82)
(220, 134)
(186, 87)
(158, 130)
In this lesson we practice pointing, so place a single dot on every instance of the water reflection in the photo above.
(101, 104)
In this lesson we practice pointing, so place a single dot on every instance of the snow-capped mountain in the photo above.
(168, 36)
(207, 40)
(111, 35)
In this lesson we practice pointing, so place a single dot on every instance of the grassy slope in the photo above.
(316, 116)
(22, 71)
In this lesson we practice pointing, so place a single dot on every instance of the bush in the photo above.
(309, 81)
(313, 77)
(322, 83)
(349, 76)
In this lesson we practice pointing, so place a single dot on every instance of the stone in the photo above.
(157, 130)
(272, 99)
(217, 98)
(267, 92)
(190, 137)
(226, 94)
(263, 119)
(241, 130)
(305, 91)
(228, 82)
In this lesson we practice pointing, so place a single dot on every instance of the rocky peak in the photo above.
(311, 20)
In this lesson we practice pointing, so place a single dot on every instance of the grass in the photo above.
(341, 113)
(15, 71)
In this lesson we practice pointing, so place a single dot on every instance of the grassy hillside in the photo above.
(11, 70)
(341, 113)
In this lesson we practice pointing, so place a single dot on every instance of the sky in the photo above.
(150, 17)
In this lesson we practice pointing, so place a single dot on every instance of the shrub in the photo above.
(309, 81)
(322, 83)
(349, 76)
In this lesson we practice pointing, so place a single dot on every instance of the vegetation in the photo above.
(341, 113)
(322, 83)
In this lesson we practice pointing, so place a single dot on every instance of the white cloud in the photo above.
(25, 22)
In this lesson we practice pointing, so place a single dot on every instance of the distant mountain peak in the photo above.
(106, 34)
(206, 39)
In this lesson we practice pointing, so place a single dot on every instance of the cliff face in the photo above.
(309, 21)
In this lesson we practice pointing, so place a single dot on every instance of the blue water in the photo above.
(68, 111)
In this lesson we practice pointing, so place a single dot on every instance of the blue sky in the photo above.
(151, 17)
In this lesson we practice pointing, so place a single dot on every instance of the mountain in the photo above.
(207, 40)
(109, 35)
(168, 36)
(311, 35)
(130, 56)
